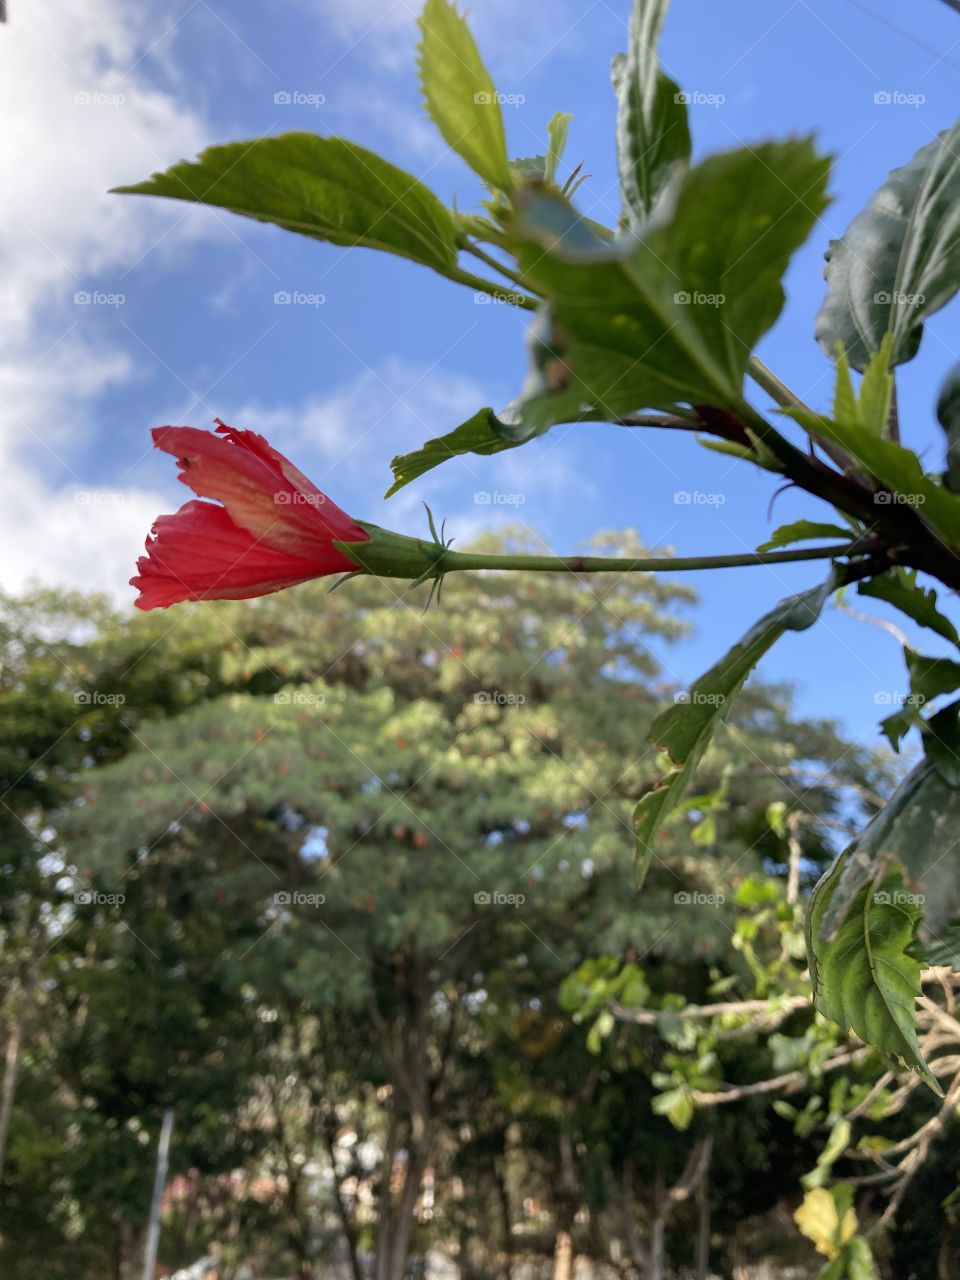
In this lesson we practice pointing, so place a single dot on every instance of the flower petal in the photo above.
(260, 488)
(201, 554)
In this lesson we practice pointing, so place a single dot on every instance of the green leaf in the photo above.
(942, 743)
(942, 950)
(479, 434)
(865, 979)
(895, 467)
(870, 408)
(653, 136)
(803, 531)
(898, 587)
(876, 390)
(948, 412)
(899, 259)
(896, 727)
(670, 320)
(676, 1104)
(530, 168)
(684, 730)
(557, 133)
(835, 1146)
(931, 677)
(326, 188)
(919, 828)
(460, 96)
(859, 1260)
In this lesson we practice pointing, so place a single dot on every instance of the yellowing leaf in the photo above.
(820, 1221)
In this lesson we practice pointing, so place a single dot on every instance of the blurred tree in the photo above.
(335, 861)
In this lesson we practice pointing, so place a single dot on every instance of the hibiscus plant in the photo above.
(616, 336)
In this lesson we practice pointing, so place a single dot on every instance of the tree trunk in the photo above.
(506, 1220)
(658, 1226)
(11, 1065)
(159, 1182)
(703, 1225)
(385, 1198)
(568, 1202)
(346, 1221)
(403, 1221)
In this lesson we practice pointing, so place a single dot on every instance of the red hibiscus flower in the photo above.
(272, 529)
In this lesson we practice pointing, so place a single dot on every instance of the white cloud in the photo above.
(81, 116)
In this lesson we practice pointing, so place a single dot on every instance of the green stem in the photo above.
(452, 560)
(778, 391)
(386, 554)
(491, 261)
(781, 394)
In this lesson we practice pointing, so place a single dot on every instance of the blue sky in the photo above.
(105, 94)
